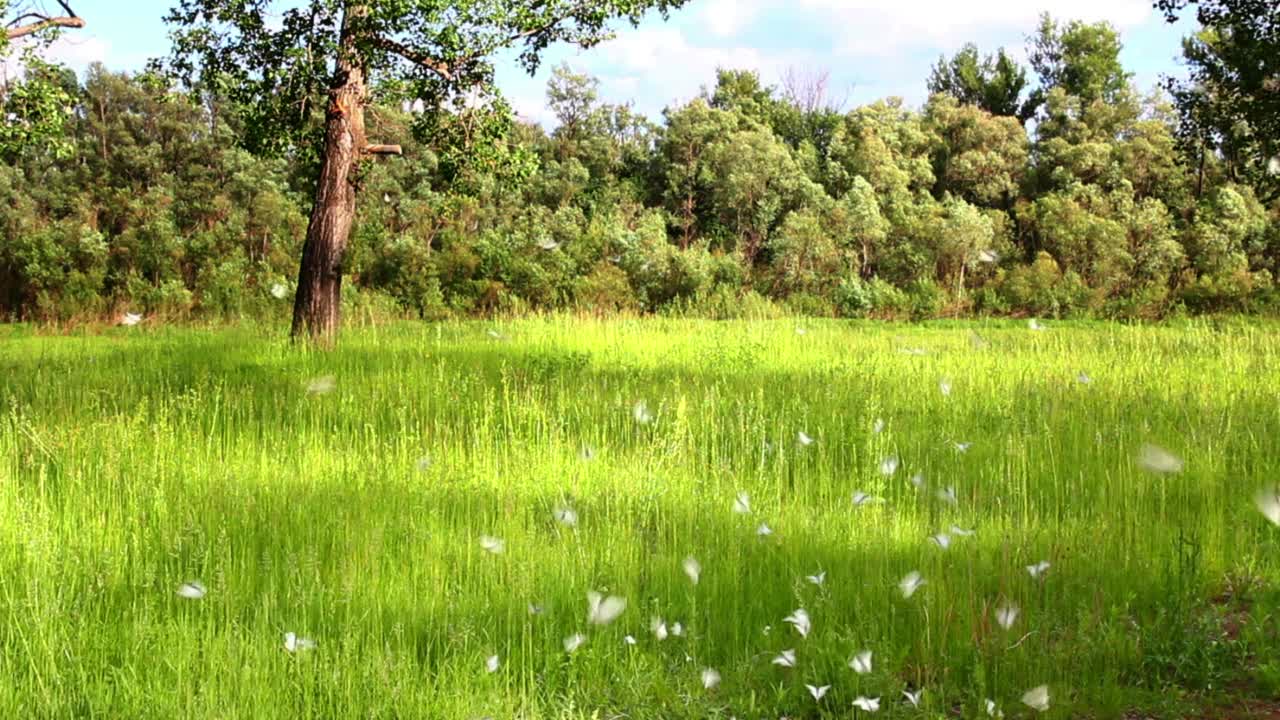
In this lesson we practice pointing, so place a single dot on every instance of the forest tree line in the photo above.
(1057, 189)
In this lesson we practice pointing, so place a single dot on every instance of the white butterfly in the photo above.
(957, 530)
(867, 704)
(818, 578)
(628, 639)
(322, 385)
(536, 609)
(710, 678)
(861, 663)
(491, 664)
(566, 516)
(1273, 165)
(1156, 459)
(918, 481)
(878, 426)
(658, 627)
(193, 590)
(130, 319)
(801, 331)
(986, 256)
(1034, 324)
(574, 641)
(386, 197)
(800, 621)
(942, 540)
(764, 530)
(424, 463)
(860, 498)
(993, 710)
(804, 439)
(294, 643)
(913, 697)
(1268, 502)
(640, 411)
(692, 568)
(1084, 379)
(910, 584)
(818, 692)
(677, 629)
(948, 495)
(787, 658)
(279, 291)
(603, 610)
(962, 447)
(1007, 615)
(889, 466)
(1037, 698)
(494, 334)
(944, 386)
(548, 244)
(1035, 571)
(742, 503)
(492, 545)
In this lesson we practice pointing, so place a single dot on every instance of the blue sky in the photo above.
(871, 48)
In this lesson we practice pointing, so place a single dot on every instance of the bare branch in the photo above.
(439, 67)
(448, 69)
(35, 27)
(383, 150)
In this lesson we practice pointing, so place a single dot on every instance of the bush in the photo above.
(1041, 288)
(221, 288)
(856, 297)
(605, 290)
(810, 305)
(925, 299)
(725, 303)
(1226, 292)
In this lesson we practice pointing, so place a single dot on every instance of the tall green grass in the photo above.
(138, 459)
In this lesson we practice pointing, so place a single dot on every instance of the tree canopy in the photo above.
(749, 199)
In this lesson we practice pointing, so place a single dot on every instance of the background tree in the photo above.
(1230, 104)
(277, 73)
(1083, 59)
(994, 83)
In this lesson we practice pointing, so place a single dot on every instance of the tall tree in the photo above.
(438, 51)
(994, 83)
(1230, 104)
(1081, 58)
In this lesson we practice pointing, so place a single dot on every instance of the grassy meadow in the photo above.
(351, 512)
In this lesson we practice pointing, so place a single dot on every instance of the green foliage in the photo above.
(749, 193)
(1081, 59)
(992, 83)
(1231, 101)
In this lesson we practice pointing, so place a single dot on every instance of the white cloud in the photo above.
(724, 18)
(80, 51)
(880, 28)
(664, 61)
(74, 51)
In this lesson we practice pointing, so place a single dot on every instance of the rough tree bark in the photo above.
(317, 305)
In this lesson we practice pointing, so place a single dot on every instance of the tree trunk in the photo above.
(318, 301)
